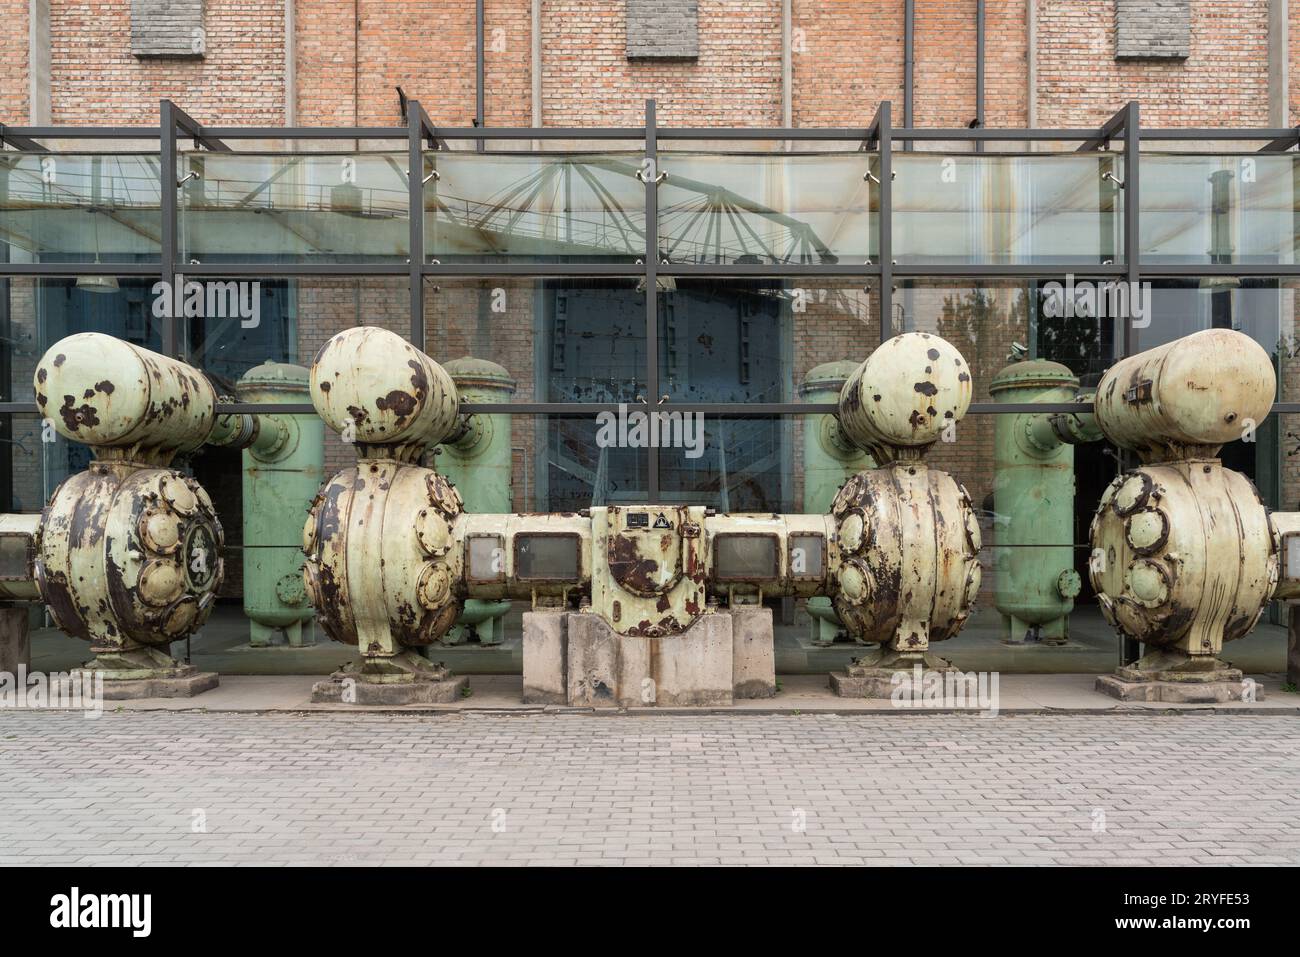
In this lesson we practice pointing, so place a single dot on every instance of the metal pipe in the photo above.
(909, 24)
(478, 70)
(979, 72)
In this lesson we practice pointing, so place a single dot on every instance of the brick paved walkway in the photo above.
(165, 787)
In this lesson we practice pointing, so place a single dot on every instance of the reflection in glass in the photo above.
(306, 207)
(981, 208)
(1218, 209)
(71, 207)
(767, 208)
(513, 207)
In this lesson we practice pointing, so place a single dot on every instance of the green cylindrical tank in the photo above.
(478, 462)
(283, 465)
(1033, 492)
(828, 461)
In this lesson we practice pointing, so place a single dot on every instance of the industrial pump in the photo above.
(1185, 554)
(127, 554)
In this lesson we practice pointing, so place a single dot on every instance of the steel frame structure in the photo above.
(1122, 130)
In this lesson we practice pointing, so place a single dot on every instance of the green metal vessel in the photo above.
(283, 466)
(478, 462)
(1033, 520)
(829, 460)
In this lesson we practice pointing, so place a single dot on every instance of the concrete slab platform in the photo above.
(796, 694)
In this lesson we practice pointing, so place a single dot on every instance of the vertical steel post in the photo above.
(884, 140)
(909, 44)
(1130, 648)
(478, 69)
(167, 192)
(979, 72)
(415, 205)
(651, 176)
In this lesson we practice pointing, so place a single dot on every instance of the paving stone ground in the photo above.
(194, 788)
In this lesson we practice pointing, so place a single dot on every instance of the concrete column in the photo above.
(38, 62)
(1279, 79)
(290, 66)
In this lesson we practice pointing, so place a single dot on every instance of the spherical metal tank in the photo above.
(106, 392)
(1184, 556)
(374, 388)
(908, 545)
(128, 556)
(1033, 504)
(381, 570)
(1187, 397)
(282, 471)
(906, 393)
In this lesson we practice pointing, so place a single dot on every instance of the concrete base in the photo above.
(577, 660)
(185, 682)
(341, 688)
(883, 672)
(401, 679)
(1175, 677)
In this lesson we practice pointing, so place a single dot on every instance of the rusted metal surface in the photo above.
(129, 557)
(18, 535)
(1184, 551)
(904, 559)
(904, 396)
(126, 402)
(907, 547)
(1184, 556)
(1186, 398)
(381, 392)
(128, 552)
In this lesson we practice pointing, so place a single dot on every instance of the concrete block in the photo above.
(545, 658)
(1176, 692)
(15, 639)
(594, 670)
(753, 664)
(695, 668)
(342, 688)
(185, 683)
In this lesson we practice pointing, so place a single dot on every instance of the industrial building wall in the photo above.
(846, 56)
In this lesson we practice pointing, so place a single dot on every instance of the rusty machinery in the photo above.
(907, 537)
(126, 554)
(392, 555)
(1185, 555)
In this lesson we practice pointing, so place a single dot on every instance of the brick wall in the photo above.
(13, 62)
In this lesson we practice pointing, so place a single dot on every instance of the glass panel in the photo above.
(306, 207)
(549, 207)
(245, 321)
(1218, 209)
(36, 313)
(33, 460)
(1262, 308)
(759, 340)
(767, 208)
(997, 322)
(559, 340)
(66, 207)
(731, 464)
(980, 208)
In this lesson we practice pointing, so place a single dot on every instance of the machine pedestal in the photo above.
(268, 636)
(576, 659)
(872, 675)
(402, 679)
(1179, 678)
(145, 673)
